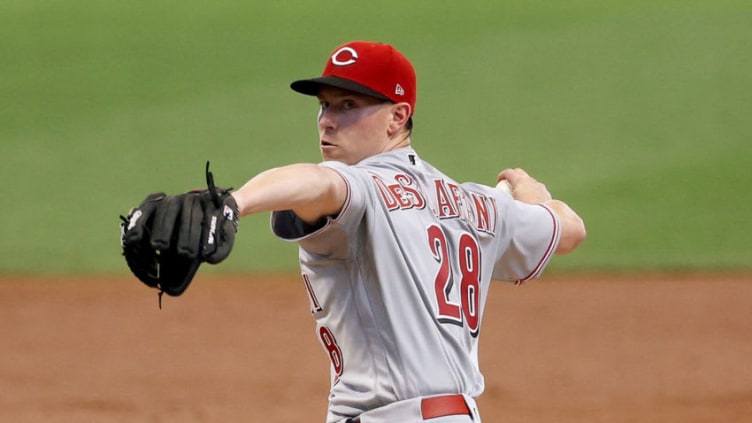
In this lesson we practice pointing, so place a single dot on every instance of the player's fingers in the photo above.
(503, 175)
(512, 175)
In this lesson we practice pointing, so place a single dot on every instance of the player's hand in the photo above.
(525, 188)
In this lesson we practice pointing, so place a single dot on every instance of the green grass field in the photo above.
(634, 112)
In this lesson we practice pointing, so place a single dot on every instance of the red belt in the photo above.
(445, 405)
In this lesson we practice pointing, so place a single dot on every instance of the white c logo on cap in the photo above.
(353, 56)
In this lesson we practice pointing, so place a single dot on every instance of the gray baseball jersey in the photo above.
(398, 280)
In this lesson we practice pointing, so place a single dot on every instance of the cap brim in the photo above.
(313, 86)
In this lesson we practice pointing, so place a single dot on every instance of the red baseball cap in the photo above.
(364, 67)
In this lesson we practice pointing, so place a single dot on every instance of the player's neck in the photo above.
(401, 140)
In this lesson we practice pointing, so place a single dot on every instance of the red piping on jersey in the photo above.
(549, 250)
(346, 204)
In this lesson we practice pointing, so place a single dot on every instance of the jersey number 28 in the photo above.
(468, 258)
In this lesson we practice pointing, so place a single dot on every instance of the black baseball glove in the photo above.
(167, 237)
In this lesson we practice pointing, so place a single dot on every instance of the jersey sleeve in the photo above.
(532, 233)
(327, 238)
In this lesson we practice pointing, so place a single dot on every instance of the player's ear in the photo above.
(400, 115)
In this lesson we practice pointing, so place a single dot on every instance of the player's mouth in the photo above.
(325, 144)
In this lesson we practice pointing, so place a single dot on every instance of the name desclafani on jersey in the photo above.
(452, 202)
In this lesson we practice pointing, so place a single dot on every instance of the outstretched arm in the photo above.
(527, 189)
(311, 191)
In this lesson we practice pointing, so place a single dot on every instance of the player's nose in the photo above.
(325, 120)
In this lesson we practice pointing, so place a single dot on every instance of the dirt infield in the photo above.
(654, 348)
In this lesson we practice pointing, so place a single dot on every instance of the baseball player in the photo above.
(397, 257)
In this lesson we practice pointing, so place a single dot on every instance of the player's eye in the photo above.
(348, 105)
(323, 105)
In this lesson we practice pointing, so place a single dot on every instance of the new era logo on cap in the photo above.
(374, 69)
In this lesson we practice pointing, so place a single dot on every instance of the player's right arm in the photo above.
(527, 189)
(311, 191)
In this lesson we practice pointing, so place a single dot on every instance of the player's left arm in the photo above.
(311, 191)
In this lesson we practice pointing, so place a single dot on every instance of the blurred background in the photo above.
(634, 112)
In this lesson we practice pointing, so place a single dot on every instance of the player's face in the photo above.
(351, 126)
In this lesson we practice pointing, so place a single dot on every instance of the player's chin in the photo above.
(336, 154)
(330, 151)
